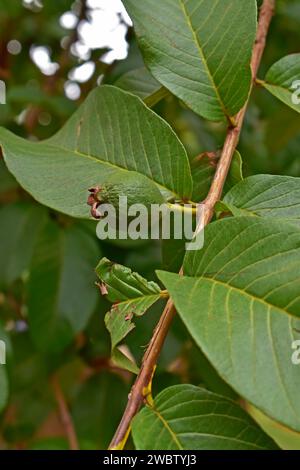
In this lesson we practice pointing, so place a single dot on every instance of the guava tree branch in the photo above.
(141, 386)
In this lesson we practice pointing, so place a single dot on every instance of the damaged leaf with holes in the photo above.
(131, 296)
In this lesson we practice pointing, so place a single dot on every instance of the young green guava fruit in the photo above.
(136, 187)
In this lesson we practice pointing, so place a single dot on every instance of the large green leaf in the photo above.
(240, 301)
(121, 283)
(112, 131)
(62, 295)
(199, 50)
(186, 417)
(282, 80)
(266, 196)
(132, 296)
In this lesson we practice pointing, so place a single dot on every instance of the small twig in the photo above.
(137, 397)
(64, 414)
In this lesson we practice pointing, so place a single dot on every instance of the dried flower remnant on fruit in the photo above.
(102, 288)
(94, 202)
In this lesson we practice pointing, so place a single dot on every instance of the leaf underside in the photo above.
(240, 301)
(266, 196)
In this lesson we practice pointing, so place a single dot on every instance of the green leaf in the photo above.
(186, 417)
(240, 301)
(203, 170)
(266, 196)
(62, 295)
(132, 296)
(123, 284)
(119, 319)
(17, 239)
(200, 51)
(141, 83)
(112, 131)
(282, 80)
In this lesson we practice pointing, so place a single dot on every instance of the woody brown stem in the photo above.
(137, 396)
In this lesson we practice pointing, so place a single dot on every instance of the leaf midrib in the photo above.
(267, 84)
(57, 146)
(105, 162)
(210, 76)
(167, 427)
